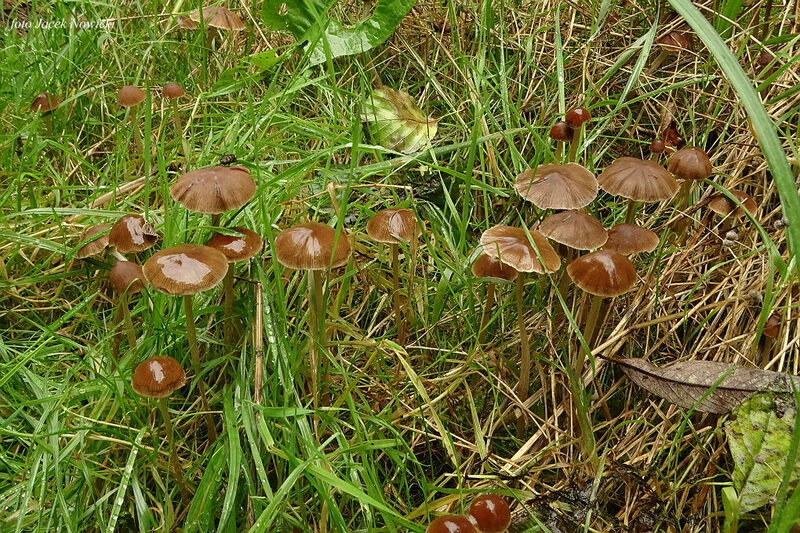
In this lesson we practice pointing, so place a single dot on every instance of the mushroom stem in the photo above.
(573, 146)
(487, 309)
(525, 367)
(685, 196)
(559, 150)
(176, 119)
(629, 214)
(191, 333)
(123, 302)
(317, 337)
(227, 285)
(173, 457)
(398, 316)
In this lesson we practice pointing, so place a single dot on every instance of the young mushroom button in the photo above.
(490, 513)
(451, 524)
(172, 90)
(44, 102)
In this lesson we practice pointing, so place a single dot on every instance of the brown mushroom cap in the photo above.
(219, 17)
(158, 377)
(674, 41)
(486, 266)
(640, 180)
(237, 247)
(574, 229)
(772, 326)
(629, 239)
(44, 102)
(94, 240)
(131, 234)
(722, 205)
(568, 186)
(130, 95)
(126, 277)
(603, 273)
(393, 225)
(213, 190)
(186, 269)
(511, 246)
(186, 23)
(577, 117)
(311, 246)
(172, 90)
(561, 131)
(690, 163)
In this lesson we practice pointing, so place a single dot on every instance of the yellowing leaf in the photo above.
(395, 122)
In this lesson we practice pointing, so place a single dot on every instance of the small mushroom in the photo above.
(313, 247)
(132, 234)
(492, 269)
(174, 92)
(724, 206)
(689, 164)
(214, 190)
(490, 513)
(241, 247)
(44, 103)
(185, 270)
(158, 378)
(392, 226)
(217, 18)
(569, 186)
(513, 247)
(94, 241)
(126, 278)
(561, 132)
(451, 524)
(673, 43)
(629, 239)
(638, 180)
(576, 118)
(131, 96)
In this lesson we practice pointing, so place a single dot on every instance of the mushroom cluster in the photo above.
(488, 513)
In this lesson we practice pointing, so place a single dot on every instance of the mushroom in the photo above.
(174, 91)
(770, 332)
(158, 378)
(574, 229)
(132, 234)
(576, 118)
(629, 239)
(513, 247)
(689, 164)
(131, 96)
(672, 43)
(185, 270)
(561, 132)
(213, 190)
(391, 226)
(240, 247)
(603, 274)
(492, 269)
(93, 241)
(657, 147)
(126, 278)
(638, 180)
(490, 513)
(568, 186)
(451, 524)
(44, 103)
(724, 206)
(313, 247)
(217, 18)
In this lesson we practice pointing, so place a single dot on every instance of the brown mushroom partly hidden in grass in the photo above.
(313, 247)
(214, 190)
(490, 513)
(174, 92)
(513, 247)
(638, 180)
(217, 18)
(576, 118)
(561, 132)
(44, 103)
(772, 329)
(689, 164)
(132, 234)
(725, 207)
(242, 246)
(569, 186)
(94, 241)
(392, 226)
(491, 269)
(185, 270)
(673, 43)
(158, 378)
(629, 239)
(130, 97)
(451, 524)
(126, 278)
(657, 147)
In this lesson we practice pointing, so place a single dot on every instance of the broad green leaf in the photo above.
(301, 17)
(759, 438)
(395, 122)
